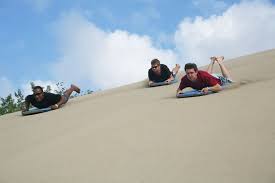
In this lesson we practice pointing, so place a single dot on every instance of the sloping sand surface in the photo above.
(136, 134)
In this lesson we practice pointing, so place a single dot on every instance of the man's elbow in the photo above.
(218, 88)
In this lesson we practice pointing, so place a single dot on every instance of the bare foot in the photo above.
(176, 69)
(75, 88)
(213, 59)
(220, 59)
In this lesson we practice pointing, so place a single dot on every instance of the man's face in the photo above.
(155, 67)
(191, 74)
(38, 95)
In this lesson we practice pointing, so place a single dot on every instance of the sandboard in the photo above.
(163, 83)
(196, 93)
(193, 93)
(35, 111)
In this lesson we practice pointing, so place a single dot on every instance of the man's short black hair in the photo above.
(155, 61)
(191, 66)
(37, 87)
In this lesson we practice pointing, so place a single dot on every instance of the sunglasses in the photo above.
(154, 67)
(36, 94)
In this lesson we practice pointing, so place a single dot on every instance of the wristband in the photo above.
(56, 105)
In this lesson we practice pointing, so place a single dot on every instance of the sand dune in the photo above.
(136, 134)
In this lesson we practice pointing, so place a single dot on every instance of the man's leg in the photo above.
(176, 70)
(210, 66)
(69, 91)
(224, 71)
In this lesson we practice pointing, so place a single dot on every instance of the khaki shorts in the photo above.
(224, 80)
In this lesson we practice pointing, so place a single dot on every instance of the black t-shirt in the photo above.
(165, 74)
(49, 100)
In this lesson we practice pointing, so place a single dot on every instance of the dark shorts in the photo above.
(174, 75)
(66, 98)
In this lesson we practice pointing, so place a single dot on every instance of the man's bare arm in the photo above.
(25, 106)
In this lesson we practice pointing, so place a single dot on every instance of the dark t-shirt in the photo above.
(204, 80)
(49, 100)
(165, 74)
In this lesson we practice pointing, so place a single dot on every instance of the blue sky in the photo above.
(49, 41)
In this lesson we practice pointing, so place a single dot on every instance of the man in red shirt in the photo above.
(203, 80)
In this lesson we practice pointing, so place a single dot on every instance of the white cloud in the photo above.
(27, 90)
(242, 29)
(6, 87)
(39, 5)
(106, 59)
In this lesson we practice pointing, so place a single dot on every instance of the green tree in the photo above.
(8, 105)
(60, 88)
(89, 92)
(20, 99)
(48, 89)
(32, 85)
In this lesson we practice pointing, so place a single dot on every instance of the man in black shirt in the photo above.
(161, 73)
(42, 99)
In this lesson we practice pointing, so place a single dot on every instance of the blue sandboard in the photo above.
(163, 83)
(193, 93)
(35, 111)
(196, 93)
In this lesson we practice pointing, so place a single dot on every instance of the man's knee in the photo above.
(65, 98)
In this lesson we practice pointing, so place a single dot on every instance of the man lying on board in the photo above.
(40, 99)
(161, 73)
(205, 80)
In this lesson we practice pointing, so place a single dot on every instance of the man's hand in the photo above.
(150, 83)
(23, 108)
(169, 80)
(55, 106)
(205, 90)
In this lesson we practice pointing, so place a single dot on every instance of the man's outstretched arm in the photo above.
(25, 106)
(178, 91)
(171, 78)
(181, 87)
(215, 88)
(58, 104)
(150, 82)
